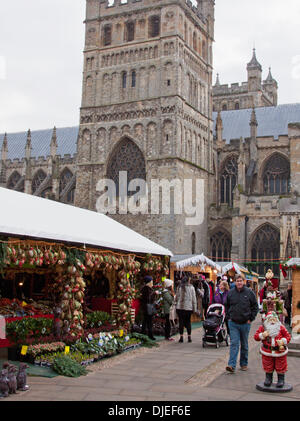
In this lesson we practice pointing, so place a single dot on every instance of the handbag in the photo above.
(150, 308)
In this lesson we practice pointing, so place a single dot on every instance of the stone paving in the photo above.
(171, 372)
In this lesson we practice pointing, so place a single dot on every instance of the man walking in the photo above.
(241, 309)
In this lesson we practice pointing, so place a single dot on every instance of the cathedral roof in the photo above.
(272, 121)
(40, 142)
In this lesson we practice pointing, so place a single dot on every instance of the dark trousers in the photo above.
(184, 317)
(147, 325)
(167, 326)
(287, 319)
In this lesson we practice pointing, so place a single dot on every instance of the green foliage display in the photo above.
(66, 366)
(98, 318)
(146, 341)
(21, 330)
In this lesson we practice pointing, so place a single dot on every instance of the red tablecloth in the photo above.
(4, 343)
(103, 304)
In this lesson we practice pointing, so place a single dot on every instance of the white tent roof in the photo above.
(293, 261)
(25, 215)
(197, 260)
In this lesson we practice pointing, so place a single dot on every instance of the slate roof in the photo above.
(272, 121)
(40, 142)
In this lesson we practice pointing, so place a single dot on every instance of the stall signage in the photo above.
(24, 350)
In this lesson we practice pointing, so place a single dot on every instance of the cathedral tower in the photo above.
(147, 107)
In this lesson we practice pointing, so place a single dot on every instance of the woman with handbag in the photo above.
(186, 304)
(148, 297)
(168, 300)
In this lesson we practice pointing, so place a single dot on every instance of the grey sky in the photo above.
(41, 43)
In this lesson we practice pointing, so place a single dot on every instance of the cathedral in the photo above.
(149, 107)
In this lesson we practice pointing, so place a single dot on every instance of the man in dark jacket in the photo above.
(241, 309)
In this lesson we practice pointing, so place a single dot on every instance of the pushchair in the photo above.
(214, 326)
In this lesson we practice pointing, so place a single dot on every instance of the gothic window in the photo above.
(265, 250)
(126, 157)
(237, 106)
(224, 107)
(154, 26)
(228, 180)
(65, 177)
(124, 80)
(37, 180)
(133, 79)
(220, 246)
(47, 193)
(276, 175)
(14, 180)
(129, 31)
(107, 35)
(193, 243)
(71, 195)
(194, 41)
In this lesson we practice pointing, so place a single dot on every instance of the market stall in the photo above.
(293, 265)
(203, 272)
(59, 254)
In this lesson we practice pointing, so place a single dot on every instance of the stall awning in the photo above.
(292, 262)
(197, 260)
(25, 215)
(226, 266)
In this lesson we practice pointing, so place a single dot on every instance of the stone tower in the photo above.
(147, 110)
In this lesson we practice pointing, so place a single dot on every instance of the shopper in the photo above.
(186, 304)
(148, 297)
(168, 299)
(220, 297)
(241, 308)
(287, 296)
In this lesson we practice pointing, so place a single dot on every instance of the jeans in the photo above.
(184, 317)
(167, 326)
(238, 336)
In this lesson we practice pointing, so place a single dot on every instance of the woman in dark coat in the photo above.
(148, 296)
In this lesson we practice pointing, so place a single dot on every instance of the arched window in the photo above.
(276, 175)
(228, 180)
(124, 80)
(154, 26)
(129, 31)
(224, 107)
(220, 246)
(126, 157)
(71, 196)
(265, 250)
(65, 178)
(15, 183)
(193, 243)
(194, 41)
(133, 78)
(237, 106)
(47, 193)
(107, 35)
(37, 180)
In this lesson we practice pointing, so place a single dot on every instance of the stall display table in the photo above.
(104, 304)
(4, 343)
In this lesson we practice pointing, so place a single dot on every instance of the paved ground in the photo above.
(172, 372)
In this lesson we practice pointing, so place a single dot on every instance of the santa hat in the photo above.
(168, 283)
(271, 315)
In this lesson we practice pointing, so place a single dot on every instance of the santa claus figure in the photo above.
(274, 338)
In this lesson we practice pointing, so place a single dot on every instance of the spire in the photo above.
(53, 144)
(253, 121)
(254, 64)
(270, 77)
(218, 80)
(28, 146)
(4, 148)
(219, 128)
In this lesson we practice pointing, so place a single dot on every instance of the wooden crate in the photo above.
(115, 308)
(296, 297)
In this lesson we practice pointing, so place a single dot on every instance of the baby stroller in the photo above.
(214, 326)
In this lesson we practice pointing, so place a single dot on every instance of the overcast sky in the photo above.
(41, 43)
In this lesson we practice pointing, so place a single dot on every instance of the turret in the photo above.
(4, 149)
(271, 87)
(254, 70)
(53, 144)
(28, 146)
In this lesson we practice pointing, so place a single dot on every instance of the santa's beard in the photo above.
(273, 329)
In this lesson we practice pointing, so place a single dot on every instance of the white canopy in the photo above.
(233, 265)
(25, 215)
(293, 261)
(198, 260)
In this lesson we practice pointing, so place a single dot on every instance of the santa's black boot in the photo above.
(269, 379)
(280, 382)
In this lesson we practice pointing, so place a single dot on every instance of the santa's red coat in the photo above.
(272, 358)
